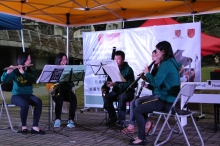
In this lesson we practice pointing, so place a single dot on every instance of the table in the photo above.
(204, 98)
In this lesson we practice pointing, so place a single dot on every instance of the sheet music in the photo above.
(113, 71)
(96, 66)
(47, 72)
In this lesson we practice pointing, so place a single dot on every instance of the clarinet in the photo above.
(141, 74)
(140, 90)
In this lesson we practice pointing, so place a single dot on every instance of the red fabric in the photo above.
(209, 44)
(217, 70)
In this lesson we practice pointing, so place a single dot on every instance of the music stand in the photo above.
(97, 69)
(50, 74)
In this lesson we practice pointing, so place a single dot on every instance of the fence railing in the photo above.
(44, 42)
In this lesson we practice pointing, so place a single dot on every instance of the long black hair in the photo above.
(167, 48)
(59, 58)
(155, 68)
(22, 58)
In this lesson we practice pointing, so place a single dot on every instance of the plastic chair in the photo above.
(7, 87)
(187, 91)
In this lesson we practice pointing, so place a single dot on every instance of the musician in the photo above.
(64, 93)
(118, 90)
(23, 78)
(166, 84)
(136, 101)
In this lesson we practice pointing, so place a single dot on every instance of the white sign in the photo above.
(138, 45)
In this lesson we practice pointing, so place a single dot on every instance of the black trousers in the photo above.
(122, 99)
(69, 97)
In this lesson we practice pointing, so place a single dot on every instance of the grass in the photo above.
(79, 96)
(206, 73)
(80, 91)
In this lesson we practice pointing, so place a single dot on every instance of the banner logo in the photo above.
(177, 34)
(191, 32)
(113, 38)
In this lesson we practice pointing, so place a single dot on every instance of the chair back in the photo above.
(187, 90)
(7, 87)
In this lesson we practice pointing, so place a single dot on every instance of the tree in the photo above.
(210, 23)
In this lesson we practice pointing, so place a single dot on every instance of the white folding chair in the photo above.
(187, 91)
(7, 87)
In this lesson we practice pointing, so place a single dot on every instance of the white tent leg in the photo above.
(22, 40)
(67, 43)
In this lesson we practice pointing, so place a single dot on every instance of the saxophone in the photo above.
(53, 89)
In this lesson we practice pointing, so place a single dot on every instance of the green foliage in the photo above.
(210, 23)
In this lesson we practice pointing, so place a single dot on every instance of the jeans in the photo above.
(137, 102)
(122, 99)
(23, 101)
(156, 105)
(71, 98)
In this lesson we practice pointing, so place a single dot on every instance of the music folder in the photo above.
(73, 73)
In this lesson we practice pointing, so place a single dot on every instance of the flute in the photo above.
(14, 67)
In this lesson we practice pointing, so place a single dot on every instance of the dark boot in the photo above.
(112, 121)
(112, 118)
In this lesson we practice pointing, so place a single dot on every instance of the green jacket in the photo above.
(166, 82)
(128, 73)
(22, 83)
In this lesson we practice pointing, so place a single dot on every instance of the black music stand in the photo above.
(114, 73)
(50, 74)
(97, 69)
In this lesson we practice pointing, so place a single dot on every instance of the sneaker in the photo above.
(70, 124)
(57, 123)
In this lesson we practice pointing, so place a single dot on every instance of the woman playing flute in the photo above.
(22, 96)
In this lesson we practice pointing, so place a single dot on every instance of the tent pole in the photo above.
(22, 37)
(123, 24)
(193, 19)
(67, 43)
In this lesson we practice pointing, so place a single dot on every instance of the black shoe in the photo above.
(24, 131)
(112, 121)
(37, 132)
(121, 124)
(131, 140)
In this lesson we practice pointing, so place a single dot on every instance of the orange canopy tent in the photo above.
(209, 44)
(87, 12)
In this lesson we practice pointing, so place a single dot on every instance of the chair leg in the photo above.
(187, 141)
(9, 119)
(161, 130)
(76, 117)
(1, 111)
(200, 137)
(168, 125)
(155, 127)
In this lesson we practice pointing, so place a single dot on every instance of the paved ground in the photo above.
(89, 133)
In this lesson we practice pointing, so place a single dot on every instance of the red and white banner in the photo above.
(138, 45)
